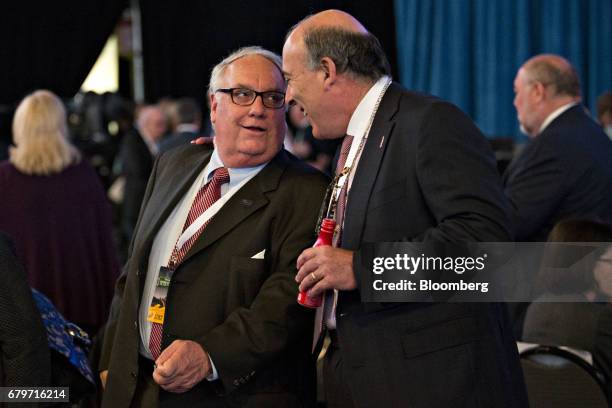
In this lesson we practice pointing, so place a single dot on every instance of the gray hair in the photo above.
(219, 69)
(356, 54)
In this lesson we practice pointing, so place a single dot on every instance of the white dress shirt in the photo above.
(358, 127)
(168, 234)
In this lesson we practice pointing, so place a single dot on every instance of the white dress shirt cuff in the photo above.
(214, 375)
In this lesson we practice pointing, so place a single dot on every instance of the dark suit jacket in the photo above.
(432, 178)
(177, 139)
(136, 166)
(242, 311)
(25, 359)
(565, 172)
(584, 326)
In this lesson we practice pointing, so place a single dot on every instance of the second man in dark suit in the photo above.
(420, 171)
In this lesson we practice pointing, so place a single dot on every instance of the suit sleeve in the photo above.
(457, 179)
(252, 338)
(24, 353)
(115, 308)
(535, 188)
(458, 176)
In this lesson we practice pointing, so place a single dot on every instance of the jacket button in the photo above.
(133, 374)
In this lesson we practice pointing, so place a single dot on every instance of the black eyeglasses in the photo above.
(246, 97)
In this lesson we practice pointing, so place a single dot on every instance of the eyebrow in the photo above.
(243, 86)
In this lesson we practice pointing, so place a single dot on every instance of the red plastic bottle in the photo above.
(326, 234)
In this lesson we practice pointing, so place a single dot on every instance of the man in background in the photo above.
(604, 112)
(136, 155)
(189, 118)
(565, 171)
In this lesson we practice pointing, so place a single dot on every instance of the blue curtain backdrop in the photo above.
(468, 51)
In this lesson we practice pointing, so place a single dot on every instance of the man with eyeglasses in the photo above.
(205, 311)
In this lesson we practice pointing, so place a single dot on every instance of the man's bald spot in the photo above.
(551, 69)
(555, 60)
(327, 18)
(334, 18)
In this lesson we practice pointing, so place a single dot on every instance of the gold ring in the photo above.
(313, 276)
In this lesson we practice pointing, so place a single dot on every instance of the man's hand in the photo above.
(181, 366)
(103, 375)
(203, 140)
(325, 268)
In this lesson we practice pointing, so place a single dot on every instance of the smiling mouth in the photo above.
(254, 128)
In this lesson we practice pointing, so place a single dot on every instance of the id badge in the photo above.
(157, 309)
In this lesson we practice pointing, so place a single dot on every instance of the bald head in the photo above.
(152, 122)
(329, 18)
(543, 84)
(342, 38)
(555, 71)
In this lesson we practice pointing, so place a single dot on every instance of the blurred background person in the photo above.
(54, 207)
(604, 112)
(24, 353)
(565, 171)
(575, 310)
(138, 151)
(300, 142)
(189, 123)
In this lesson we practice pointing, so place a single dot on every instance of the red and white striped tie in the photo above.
(206, 197)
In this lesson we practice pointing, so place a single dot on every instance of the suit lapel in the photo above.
(368, 166)
(250, 198)
(167, 195)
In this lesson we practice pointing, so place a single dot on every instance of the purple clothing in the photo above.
(62, 231)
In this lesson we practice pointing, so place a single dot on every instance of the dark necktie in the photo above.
(344, 151)
(206, 197)
(329, 297)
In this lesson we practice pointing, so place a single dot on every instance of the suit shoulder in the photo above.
(184, 152)
(424, 105)
(296, 168)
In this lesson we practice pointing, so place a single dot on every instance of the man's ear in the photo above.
(328, 67)
(213, 107)
(539, 91)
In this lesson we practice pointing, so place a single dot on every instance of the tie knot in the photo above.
(221, 176)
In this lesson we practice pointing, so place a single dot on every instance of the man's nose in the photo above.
(289, 96)
(257, 107)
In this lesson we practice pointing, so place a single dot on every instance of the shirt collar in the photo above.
(360, 120)
(555, 114)
(236, 174)
(186, 127)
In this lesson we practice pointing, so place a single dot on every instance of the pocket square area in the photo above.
(259, 255)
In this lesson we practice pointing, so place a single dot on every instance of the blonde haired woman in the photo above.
(55, 209)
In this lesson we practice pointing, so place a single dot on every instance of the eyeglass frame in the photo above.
(230, 91)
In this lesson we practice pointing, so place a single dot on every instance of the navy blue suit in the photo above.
(426, 174)
(565, 172)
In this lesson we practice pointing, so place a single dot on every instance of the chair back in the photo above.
(557, 378)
